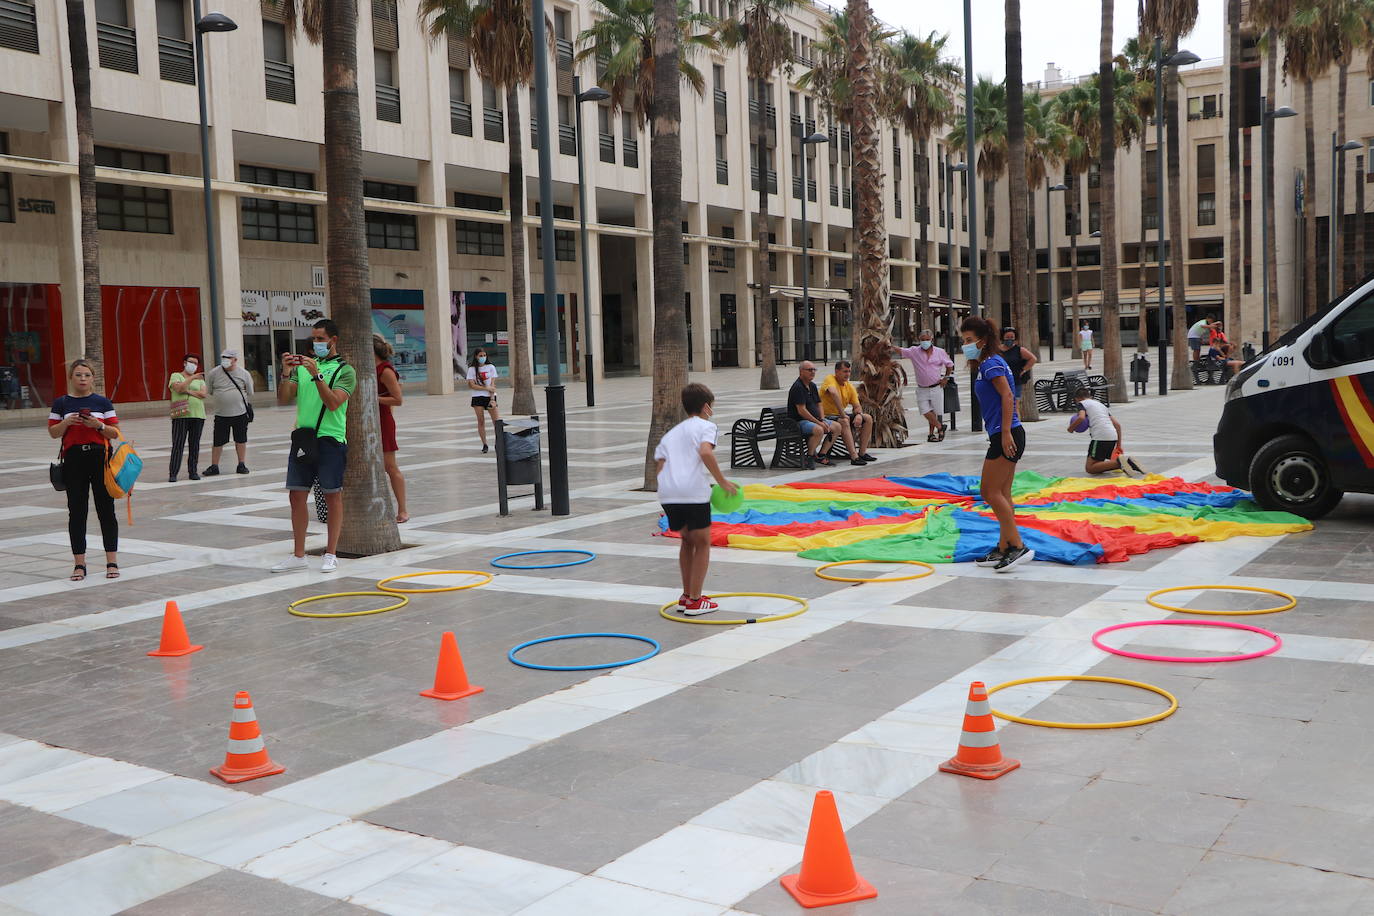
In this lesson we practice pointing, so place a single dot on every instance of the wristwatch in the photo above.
(319, 376)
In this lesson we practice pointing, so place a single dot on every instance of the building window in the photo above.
(606, 135)
(278, 73)
(477, 202)
(1207, 161)
(176, 59)
(479, 238)
(564, 244)
(1206, 209)
(567, 129)
(628, 142)
(19, 26)
(1094, 216)
(6, 188)
(388, 96)
(132, 208)
(116, 41)
(493, 118)
(1201, 107)
(386, 229)
(278, 220)
(459, 108)
(1094, 175)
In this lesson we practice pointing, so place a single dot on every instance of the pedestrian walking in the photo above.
(482, 380)
(1006, 440)
(230, 387)
(321, 385)
(389, 396)
(188, 391)
(1085, 343)
(931, 370)
(86, 422)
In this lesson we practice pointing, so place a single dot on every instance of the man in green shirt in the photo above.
(321, 385)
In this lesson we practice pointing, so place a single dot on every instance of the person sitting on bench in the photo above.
(840, 405)
(804, 406)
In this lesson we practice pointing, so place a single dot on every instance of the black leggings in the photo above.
(83, 471)
(184, 429)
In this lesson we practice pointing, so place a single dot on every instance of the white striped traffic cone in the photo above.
(979, 754)
(246, 757)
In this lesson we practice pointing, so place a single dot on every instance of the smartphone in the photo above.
(85, 412)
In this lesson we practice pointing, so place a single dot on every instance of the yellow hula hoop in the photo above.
(929, 571)
(663, 611)
(1173, 702)
(291, 608)
(442, 572)
(1292, 602)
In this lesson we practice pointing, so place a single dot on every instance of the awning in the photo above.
(795, 292)
(934, 302)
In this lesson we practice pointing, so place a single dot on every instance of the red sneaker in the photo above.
(683, 600)
(698, 606)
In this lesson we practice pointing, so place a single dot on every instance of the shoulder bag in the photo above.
(305, 442)
(55, 472)
(247, 408)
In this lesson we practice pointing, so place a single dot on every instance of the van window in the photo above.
(1349, 339)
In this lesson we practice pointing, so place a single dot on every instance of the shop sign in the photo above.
(310, 308)
(254, 309)
(36, 205)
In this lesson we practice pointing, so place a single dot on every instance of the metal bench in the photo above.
(773, 424)
(1054, 394)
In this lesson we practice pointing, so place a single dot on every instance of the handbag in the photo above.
(55, 472)
(305, 442)
(247, 408)
(181, 408)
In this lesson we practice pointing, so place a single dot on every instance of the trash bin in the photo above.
(1140, 373)
(518, 460)
(952, 402)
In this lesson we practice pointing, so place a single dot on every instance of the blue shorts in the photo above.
(807, 427)
(329, 471)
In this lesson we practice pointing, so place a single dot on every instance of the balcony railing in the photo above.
(567, 139)
(565, 53)
(770, 115)
(630, 152)
(722, 100)
(118, 47)
(834, 195)
(176, 60)
(754, 179)
(811, 189)
(493, 124)
(897, 207)
(388, 104)
(280, 78)
(607, 143)
(460, 117)
(848, 199)
(796, 187)
(722, 171)
(18, 25)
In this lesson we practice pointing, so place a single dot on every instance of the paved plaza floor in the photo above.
(680, 785)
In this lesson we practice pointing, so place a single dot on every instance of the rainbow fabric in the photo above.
(939, 518)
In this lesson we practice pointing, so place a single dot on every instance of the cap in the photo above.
(231, 353)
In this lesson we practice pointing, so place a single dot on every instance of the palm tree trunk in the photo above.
(518, 312)
(1111, 276)
(1271, 254)
(665, 189)
(922, 288)
(1073, 277)
(1233, 174)
(882, 392)
(763, 315)
(369, 516)
(1018, 189)
(1336, 258)
(1142, 343)
(1182, 372)
(92, 322)
(1030, 335)
(1309, 208)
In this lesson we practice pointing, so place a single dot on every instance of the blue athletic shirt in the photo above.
(989, 400)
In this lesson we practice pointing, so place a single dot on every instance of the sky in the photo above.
(1063, 31)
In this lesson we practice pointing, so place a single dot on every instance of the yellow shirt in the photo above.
(848, 395)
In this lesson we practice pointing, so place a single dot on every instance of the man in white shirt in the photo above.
(230, 390)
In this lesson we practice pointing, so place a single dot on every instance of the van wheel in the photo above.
(1289, 475)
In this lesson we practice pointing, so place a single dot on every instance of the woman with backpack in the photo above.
(86, 422)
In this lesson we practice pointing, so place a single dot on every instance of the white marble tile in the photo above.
(1320, 648)
(1075, 654)
(593, 896)
(1074, 627)
(702, 863)
(1367, 657)
(23, 759)
(739, 644)
(862, 769)
(7, 740)
(358, 786)
(105, 883)
(467, 880)
(781, 811)
(244, 830)
(932, 618)
(153, 805)
(617, 692)
(1199, 638)
(455, 751)
(927, 738)
(993, 671)
(345, 859)
(542, 719)
(77, 783)
(682, 668)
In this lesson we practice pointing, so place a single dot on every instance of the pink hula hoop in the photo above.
(1188, 658)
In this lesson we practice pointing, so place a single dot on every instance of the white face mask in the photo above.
(190, 368)
(925, 345)
(226, 362)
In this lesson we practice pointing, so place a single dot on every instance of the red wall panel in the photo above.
(148, 329)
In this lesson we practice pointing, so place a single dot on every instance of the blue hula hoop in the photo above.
(529, 553)
(535, 642)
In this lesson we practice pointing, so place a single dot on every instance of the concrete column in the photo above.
(438, 326)
(699, 286)
(594, 329)
(67, 191)
(744, 296)
(644, 289)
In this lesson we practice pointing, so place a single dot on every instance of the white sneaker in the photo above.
(330, 563)
(291, 564)
(1133, 468)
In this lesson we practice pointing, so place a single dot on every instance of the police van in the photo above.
(1298, 426)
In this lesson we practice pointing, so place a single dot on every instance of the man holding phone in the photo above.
(320, 384)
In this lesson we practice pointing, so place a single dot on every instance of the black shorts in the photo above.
(692, 516)
(226, 425)
(1018, 435)
(1101, 449)
(485, 402)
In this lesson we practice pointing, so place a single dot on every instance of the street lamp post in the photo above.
(1049, 262)
(1333, 235)
(1176, 60)
(594, 94)
(211, 22)
(1266, 192)
(949, 245)
(815, 138)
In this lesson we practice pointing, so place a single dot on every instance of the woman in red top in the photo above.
(86, 422)
(389, 396)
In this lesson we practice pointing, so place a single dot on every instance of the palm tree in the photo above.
(1047, 143)
(371, 527)
(1233, 172)
(501, 40)
(1307, 55)
(1270, 16)
(1077, 109)
(917, 98)
(1350, 24)
(990, 127)
(1170, 20)
(1111, 276)
(92, 322)
(1141, 94)
(1022, 310)
(767, 40)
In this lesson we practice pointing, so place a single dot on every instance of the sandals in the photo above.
(942, 432)
(79, 576)
(933, 437)
(111, 570)
(822, 461)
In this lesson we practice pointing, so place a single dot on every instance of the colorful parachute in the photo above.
(939, 518)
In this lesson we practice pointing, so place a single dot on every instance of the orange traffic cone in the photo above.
(174, 639)
(247, 756)
(450, 680)
(827, 873)
(979, 753)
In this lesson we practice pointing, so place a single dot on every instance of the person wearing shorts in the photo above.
(804, 406)
(1199, 332)
(930, 369)
(230, 389)
(1104, 448)
(1085, 343)
(683, 458)
(482, 381)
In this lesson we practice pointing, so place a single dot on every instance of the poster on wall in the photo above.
(254, 308)
(458, 318)
(399, 316)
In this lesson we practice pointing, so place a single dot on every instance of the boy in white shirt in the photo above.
(1104, 451)
(684, 456)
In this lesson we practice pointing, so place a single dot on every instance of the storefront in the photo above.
(31, 364)
(277, 322)
(399, 316)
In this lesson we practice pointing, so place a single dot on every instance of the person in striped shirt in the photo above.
(86, 422)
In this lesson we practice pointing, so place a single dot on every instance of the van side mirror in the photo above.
(1319, 351)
